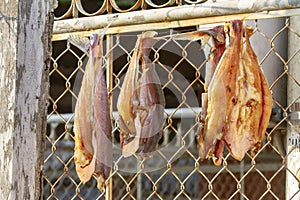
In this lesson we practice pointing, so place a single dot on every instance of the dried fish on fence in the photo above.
(141, 101)
(92, 124)
(207, 140)
(127, 98)
(151, 99)
(239, 100)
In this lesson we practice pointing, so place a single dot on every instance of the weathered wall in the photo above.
(25, 35)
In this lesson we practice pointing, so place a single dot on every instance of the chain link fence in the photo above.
(175, 170)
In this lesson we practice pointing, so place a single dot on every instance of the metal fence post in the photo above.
(109, 76)
(293, 135)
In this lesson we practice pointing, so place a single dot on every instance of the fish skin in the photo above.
(83, 150)
(220, 92)
(244, 117)
(267, 101)
(207, 138)
(152, 98)
(254, 106)
(102, 123)
(142, 99)
(218, 37)
(218, 152)
(128, 97)
(221, 122)
(246, 96)
(92, 123)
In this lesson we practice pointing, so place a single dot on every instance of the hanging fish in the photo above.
(141, 102)
(220, 92)
(252, 104)
(207, 140)
(151, 98)
(128, 98)
(239, 100)
(92, 123)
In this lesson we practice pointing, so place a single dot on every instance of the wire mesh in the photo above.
(175, 170)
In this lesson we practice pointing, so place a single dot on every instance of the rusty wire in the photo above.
(175, 171)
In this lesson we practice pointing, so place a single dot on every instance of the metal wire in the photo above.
(175, 170)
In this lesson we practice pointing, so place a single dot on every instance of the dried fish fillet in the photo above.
(207, 139)
(151, 99)
(252, 104)
(239, 100)
(141, 102)
(92, 124)
(126, 101)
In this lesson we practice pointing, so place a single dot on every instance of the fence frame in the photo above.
(189, 15)
(175, 17)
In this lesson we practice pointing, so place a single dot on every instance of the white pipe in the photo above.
(179, 113)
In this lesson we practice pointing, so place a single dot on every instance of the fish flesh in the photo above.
(92, 123)
(218, 47)
(252, 105)
(207, 140)
(151, 99)
(141, 101)
(239, 101)
(127, 99)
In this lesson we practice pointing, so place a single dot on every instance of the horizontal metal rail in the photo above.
(174, 17)
(175, 113)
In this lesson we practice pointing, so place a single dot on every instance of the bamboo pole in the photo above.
(179, 16)
(180, 23)
(293, 134)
